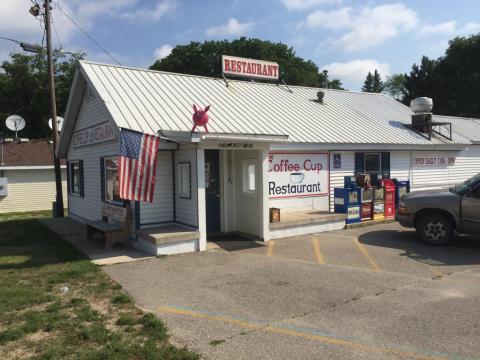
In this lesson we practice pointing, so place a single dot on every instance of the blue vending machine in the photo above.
(401, 187)
(347, 201)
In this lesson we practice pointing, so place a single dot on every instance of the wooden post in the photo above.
(53, 110)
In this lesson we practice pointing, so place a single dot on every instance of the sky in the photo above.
(349, 38)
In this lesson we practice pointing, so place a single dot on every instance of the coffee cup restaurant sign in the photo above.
(298, 175)
(93, 135)
(236, 66)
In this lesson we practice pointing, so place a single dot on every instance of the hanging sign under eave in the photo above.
(251, 68)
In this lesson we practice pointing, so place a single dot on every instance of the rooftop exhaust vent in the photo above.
(421, 105)
(422, 119)
(423, 123)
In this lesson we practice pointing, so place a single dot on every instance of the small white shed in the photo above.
(27, 178)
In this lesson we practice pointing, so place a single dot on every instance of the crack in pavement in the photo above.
(345, 302)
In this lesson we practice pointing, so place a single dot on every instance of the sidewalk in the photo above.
(74, 232)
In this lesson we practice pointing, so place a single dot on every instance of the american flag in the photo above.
(137, 165)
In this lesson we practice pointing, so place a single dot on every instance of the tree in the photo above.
(395, 86)
(452, 81)
(332, 84)
(456, 86)
(377, 82)
(422, 80)
(24, 90)
(204, 59)
(373, 83)
(368, 84)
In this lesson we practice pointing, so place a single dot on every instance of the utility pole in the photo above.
(53, 110)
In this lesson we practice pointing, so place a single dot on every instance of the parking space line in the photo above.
(270, 246)
(365, 253)
(316, 249)
(311, 334)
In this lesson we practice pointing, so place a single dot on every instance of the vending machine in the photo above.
(389, 186)
(378, 203)
(366, 206)
(347, 201)
(350, 182)
(402, 187)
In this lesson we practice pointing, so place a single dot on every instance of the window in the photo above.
(184, 176)
(75, 181)
(249, 174)
(373, 163)
(111, 186)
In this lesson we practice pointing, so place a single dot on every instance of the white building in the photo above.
(226, 180)
(27, 177)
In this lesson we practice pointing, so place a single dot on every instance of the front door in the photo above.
(212, 190)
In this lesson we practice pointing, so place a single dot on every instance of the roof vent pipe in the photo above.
(320, 96)
(422, 119)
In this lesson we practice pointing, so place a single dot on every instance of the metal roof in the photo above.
(469, 128)
(149, 101)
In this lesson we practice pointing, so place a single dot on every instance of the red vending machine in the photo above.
(389, 198)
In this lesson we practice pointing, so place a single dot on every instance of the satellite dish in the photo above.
(15, 123)
(59, 123)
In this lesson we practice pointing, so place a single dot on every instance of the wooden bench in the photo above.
(115, 225)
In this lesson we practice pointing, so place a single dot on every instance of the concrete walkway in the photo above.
(74, 232)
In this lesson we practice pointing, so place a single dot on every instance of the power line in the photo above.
(56, 33)
(5, 38)
(86, 34)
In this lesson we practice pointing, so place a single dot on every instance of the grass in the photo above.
(94, 319)
(40, 214)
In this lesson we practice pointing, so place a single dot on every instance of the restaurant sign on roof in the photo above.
(236, 66)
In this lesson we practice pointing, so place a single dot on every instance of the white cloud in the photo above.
(449, 28)
(367, 27)
(334, 20)
(232, 27)
(442, 28)
(305, 4)
(162, 51)
(161, 9)
(353, 73)
(16, 22)
(470, 28)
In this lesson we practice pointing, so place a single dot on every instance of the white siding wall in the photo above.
(337, 175)
(161, 209)
(467, 164)
(31, 190)
(90, 206)
(186, 209)
(400, 165)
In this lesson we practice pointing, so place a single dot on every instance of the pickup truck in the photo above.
(438, 214)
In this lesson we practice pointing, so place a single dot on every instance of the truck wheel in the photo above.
(435, 229)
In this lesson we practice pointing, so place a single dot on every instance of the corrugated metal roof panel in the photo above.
(149, 101)
(467, 127)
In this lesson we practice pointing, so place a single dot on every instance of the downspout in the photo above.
(173, 188)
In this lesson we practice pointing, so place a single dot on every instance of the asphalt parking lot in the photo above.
(368, 293)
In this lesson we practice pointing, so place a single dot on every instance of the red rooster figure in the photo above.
(200, 117)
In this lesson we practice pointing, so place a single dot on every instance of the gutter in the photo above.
(189, 137)
(247, 138)
(44, 167)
